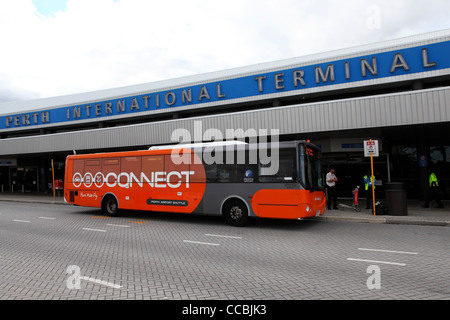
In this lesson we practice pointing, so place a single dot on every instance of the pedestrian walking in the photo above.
(433, 191)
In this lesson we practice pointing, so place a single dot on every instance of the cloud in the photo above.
(9, 92)
(101, 44)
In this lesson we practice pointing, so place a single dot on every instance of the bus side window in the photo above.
(226, 169)
(264, 173)
(196, 166)
(130, 165)
(111, 165)
(152, 164)
(170, 165)
(216, 169)
(286, 164)
(211, 173)
(223, 174)
(93, 166)
(78, 167)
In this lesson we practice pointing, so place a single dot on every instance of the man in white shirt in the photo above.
(331, 180)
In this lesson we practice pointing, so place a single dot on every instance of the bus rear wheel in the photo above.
(236, 213)
(110, 206)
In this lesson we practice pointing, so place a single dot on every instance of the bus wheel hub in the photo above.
(236, 213)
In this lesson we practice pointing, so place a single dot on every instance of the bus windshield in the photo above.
(310, 168)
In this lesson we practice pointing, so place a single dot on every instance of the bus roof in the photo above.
(199, 145)
(166, 149)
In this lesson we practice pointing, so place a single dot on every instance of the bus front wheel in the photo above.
(236, 213)
(110, 206)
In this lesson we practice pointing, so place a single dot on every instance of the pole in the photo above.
(373, 186)
(53, 181)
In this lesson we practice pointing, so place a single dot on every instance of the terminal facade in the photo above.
(396, 92)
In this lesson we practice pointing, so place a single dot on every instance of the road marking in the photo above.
(222, 236)
(105, 283)
(389, 251)
(380, 262)
(21, 221)
(89, 229)
(100, 217)
(205, 243)
(47, 218)
(138, 222)
(117, 225)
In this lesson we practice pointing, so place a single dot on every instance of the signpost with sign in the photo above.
(371, 150)
(53, 180)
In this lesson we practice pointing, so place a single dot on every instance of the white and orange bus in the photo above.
(230, 180)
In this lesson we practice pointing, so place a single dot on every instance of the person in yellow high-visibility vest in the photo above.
(368, 188)
(433, 191)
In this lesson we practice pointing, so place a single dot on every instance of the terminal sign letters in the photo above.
(381, 67)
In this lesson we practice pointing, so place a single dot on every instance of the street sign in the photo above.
(371, 148)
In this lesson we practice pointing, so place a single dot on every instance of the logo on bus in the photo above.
(159, 179)
(249, 176)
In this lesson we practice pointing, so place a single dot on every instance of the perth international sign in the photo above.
(383, 67)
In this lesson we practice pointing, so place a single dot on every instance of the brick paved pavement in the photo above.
(167, 257)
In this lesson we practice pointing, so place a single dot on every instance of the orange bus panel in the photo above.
(288, 204)
(141, 180)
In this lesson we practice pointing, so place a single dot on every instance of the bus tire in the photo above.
(110, 206)
(235, 213)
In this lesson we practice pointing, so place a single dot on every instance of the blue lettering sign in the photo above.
(291, 81)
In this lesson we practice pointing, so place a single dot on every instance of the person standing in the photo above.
(368, 188)
(433, 191)
(331, 180)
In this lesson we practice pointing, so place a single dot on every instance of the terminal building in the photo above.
(396, 92)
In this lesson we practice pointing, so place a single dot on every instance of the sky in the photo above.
(59, 47)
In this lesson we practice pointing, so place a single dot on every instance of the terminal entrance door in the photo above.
(350, 170)
(4, 179)
(24, 179)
